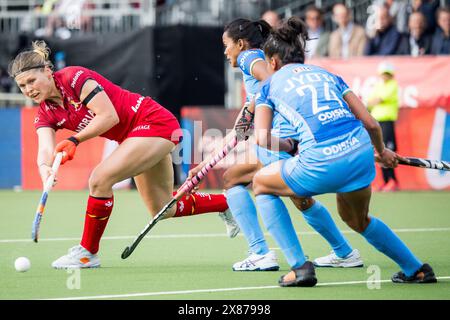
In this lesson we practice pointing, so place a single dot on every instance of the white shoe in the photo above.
(258, 262)
(231, 224)
(77, 257)
(352, 260)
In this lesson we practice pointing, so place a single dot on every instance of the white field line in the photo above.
(162, 293)
(213, 235)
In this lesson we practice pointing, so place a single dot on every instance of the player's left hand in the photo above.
(68, 148)
(388, 158)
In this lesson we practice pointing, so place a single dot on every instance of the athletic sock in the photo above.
(278, 222)
(244, 212)
(97, 216)
(198, 203)
(385, 240)
(320, 219)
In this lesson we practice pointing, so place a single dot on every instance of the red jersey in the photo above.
(75, 116)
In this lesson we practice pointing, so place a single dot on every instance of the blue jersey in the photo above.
(246, 60)
(280, 127)
(311, 100)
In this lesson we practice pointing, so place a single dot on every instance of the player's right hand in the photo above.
(192, 173)
(388, 159)
(68, 148)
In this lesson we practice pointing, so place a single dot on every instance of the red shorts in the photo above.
(153, 120)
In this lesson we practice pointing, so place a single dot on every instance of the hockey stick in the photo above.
(41, 207)
(187, 186)
(426, 163)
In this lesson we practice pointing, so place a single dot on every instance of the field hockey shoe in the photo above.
(231, 224)
(77, 257)
(352, 260)
(424, 275)
(258, 262)
(304, 276)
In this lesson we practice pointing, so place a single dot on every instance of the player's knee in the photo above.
(303, 204)
(259, 186)
(228, 179)
(358, 224)
(98, 183)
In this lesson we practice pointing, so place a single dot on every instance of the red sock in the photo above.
(198, 203)
(97, 216)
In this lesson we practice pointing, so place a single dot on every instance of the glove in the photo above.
(244, 126)
(68, 148)
(294, 143)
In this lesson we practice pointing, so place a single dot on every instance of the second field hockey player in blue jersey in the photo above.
(243, 39)
(336, 155)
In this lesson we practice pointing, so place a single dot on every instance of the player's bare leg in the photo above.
(155, 186)
(156, 189)
(132, 157)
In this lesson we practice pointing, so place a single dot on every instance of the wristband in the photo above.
(74, 140)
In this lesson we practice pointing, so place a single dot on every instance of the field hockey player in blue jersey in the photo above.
(337, 137)
(243, 40)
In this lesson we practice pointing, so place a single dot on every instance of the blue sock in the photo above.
(244, 212)
(278, 222)
(385, 240)
(320, 219)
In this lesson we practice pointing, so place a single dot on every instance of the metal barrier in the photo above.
(14, 100)
(91, 16)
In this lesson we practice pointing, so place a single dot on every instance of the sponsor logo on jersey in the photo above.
(85, 121)
(108, 204)
(341, 147)
(59, 124)
(333, 115)
(75, 104)
(142, 127)
(75, 78)
(244, 57)
(138, 104)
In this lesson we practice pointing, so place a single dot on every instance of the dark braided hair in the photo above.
(254, 32)
(288, 41)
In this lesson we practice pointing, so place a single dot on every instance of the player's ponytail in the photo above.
(36, 58)
(264, 29)
(254, 32)
(288, 41)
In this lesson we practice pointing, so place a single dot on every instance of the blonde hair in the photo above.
(36, 58)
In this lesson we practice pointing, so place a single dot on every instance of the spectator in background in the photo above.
(383, 104)
(416, 42)
(5, 81)
(387, 38)
(272, 18)
(428, 8)
(441, 37)
(349, 39)
(398, 9)
(317, 46)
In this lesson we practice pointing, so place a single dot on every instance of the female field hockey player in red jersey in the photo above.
(81, 100)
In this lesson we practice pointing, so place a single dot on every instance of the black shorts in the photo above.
(388, 128)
